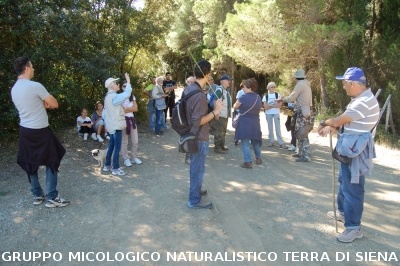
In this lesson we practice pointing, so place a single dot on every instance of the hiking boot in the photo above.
(203, 192)
(291, 148)
(296, 155)
(339, 216)
(225, 149)
(57, 202)
(38, 200)
(106, 168)
(136, 160)
(201, 205)
(220, 151)
(118, 171)
(349, 235)
(303, 159)
(247, 165)
(259, 161)
(127, 162)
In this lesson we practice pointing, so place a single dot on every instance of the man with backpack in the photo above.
(220, 124)
(272, 114)
(199, 117)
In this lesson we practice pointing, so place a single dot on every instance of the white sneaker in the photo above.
(292, 147)
(297, 150)
(106, 168)
(136, 160)
(127, 162)
(93, 136)
(118, 172)
(85, 136)
(107, 136)
(99, 138)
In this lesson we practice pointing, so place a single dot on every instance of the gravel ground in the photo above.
(272, 214)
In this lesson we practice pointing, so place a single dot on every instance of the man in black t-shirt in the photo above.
(169, 87)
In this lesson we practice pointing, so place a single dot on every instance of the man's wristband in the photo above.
(213, 113)
(322, 123)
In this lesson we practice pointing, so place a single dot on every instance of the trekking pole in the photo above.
(333, 182)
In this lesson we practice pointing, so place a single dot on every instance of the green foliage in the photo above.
(74, 47)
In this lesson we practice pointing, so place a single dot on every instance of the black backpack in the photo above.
(179, 120)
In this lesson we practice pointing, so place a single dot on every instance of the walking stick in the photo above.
(333, 182)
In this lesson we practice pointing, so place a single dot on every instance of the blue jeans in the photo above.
(114, 147)
(246, 149)
(51, 184)
(197, 171)
(350, 198)
(159, 119)
(274, 119)
(152, 112)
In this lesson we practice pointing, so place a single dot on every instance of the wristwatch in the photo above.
(322, 123)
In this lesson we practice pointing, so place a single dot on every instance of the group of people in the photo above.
(93, 126)
(39, 146)
(161, 95)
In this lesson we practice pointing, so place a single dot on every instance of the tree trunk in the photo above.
(322, 78)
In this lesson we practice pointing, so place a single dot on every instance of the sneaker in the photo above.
(203, 192)
(107, 136)
(225, 148)
(188, 161)
(57, 202)
(339, 216)
(93, 136)
(136, 160)
(270, 145)
(201, 205)
(85, 136)
(297, 150)
(292, 148)
(106, 168)
(303, 159)
(118, 171)
(283, 146)
(159, 133)
(100, 139)
(349, 235)
(296, 155)
(259, 161)
(247, 165)
(127, 162)
(38, 200)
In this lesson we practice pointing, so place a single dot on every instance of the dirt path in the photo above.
(276, 211)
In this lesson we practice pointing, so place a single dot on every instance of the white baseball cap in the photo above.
(109, 81)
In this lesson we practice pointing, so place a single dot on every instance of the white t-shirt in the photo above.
(271, 100)
(80, 119)
(128, 103)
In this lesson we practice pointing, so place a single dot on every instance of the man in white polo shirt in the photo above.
(356, 124)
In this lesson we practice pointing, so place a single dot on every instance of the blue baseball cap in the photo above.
(225, 77)
(353, 74)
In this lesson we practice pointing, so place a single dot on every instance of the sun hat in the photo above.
(109, 81)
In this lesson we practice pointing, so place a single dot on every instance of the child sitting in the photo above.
(85, 126)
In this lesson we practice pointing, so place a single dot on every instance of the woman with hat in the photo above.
(304, 117)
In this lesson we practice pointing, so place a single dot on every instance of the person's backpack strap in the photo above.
(187, 96)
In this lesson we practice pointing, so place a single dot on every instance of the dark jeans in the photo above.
(170, 102)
